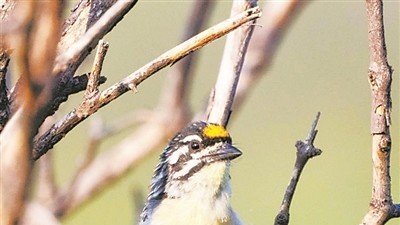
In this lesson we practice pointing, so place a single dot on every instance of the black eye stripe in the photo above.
(192, 171)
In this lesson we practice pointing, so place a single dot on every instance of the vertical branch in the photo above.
(231, 66)
(15, 157)
(93, 81)
(40, 24)
(381, 207)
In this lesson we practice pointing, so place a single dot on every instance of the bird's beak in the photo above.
(226, 152)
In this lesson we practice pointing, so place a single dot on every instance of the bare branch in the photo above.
(65, 87)
(264, 43)
(35, 64)
(93, 83)
(305, 151)
(231, 66)
(92, 91)
(90, 94)
(83, 16)
(15, 167)
(381, 207)
(15, 163)
(59, 130)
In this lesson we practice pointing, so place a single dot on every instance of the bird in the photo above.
(191, 183)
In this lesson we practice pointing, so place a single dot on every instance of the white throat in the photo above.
(202, 199)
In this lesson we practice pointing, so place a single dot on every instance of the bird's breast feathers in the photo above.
(207, 204)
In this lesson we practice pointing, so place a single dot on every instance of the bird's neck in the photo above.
(208, 183)
(202, 199)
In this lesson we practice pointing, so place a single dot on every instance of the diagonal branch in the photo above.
(59, 130)
(305, 151)
(222, 96)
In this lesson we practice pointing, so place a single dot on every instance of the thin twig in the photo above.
(231, 66)
(305, 151)
(90, 97)
(94, 76)
(92, 90)
(59, 130)
(381, 207)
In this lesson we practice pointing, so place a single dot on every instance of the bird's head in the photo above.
(196, 147)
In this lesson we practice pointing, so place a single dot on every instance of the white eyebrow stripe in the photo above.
(191, 138)
(184, 150)
(174, 157)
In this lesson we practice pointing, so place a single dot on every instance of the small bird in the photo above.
(191, 183)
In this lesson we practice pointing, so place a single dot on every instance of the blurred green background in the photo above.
(321, 65)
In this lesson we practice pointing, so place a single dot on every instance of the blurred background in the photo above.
(320, 65)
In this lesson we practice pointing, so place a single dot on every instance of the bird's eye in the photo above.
(194, 145)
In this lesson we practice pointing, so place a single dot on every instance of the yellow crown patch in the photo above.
(215, 131)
